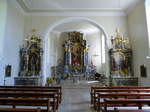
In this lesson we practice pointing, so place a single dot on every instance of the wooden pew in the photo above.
(33, 90)
(117, 91)
(36, 87)
(100, 103)
(25, 102)
(19, 110)
(125, 102)
(57, 90)
(132, 111)
(127, 110)
(20, 86)
(36, 95)
(93, 88)
(40, 88)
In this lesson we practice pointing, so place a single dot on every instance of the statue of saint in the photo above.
(32, 62)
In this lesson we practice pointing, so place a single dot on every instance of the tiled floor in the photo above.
(76, 98)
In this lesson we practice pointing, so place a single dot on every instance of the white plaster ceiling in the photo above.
(57, 5)
(84, 27)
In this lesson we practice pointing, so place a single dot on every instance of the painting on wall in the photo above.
(76, 54)
(120, 62)
(8, 71)
(143, 71)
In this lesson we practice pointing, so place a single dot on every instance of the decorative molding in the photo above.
(127, 11)
(22, 4)
(19, 7)
(78, 13)
(71, 11)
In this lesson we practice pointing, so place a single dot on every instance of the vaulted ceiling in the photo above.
(76, 5)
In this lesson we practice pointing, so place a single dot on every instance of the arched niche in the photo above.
(46, 44)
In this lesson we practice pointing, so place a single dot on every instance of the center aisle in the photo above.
(76, 98)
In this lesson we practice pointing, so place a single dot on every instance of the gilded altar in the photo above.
(75, 60)
(120, 56)
(30, 61)
(75, 53)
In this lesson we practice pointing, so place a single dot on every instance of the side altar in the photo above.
(75, 61)
(121, 61)
(30, 61)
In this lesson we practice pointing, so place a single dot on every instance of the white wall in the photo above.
(3, 15)
(12, 41)
(139, 39)
(44, 23)
(94, 53)
(147, 9)
(55, 49)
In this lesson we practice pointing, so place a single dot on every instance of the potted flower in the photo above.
(49, 81)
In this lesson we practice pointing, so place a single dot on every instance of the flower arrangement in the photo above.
(50, 80)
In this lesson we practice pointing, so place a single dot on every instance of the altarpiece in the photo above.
(120, 56)
(75, 60)
(30, 61)
(75, 53)
(121, 61)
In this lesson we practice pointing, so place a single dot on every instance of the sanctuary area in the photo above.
(74, 55)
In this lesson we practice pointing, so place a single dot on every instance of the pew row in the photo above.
(126, 102)
(38, 88)
(19, 110)
(117, 91)
(37, 95)
(33, 90)
(132, 111)
(38, 92)
(28, 102)
(105, 100)
(94, 88)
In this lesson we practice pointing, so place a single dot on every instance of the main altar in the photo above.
(75, 60)
(75, 53)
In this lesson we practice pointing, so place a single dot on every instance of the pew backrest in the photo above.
(26, 102)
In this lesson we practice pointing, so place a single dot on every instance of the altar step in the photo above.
(80, 83)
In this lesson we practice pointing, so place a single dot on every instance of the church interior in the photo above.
(74, 56)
